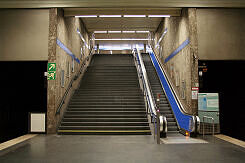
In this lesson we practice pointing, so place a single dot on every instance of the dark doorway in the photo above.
(227, 79)
(23, 89)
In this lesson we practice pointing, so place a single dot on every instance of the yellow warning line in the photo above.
(231, 140)
(15, 141)
(103, 131)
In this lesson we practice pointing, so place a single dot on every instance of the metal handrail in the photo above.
(146, 84)
(72, 80)
(203, 124)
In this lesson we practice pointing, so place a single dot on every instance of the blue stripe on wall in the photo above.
(184, 44)
(62, 46)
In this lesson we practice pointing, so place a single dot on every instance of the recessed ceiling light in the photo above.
(110, 16)
(86, 16)
(142, 31)
(114, 31)
(134, 16)
(100, 31)
(158, 16)
(128, 31)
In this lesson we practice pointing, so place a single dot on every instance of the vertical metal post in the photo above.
(203, 129)
(158, 128)
(213, 129)
(154, 121)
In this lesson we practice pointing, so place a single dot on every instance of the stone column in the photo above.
(51, 108)
(194, 54)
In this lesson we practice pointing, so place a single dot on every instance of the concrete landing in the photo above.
(182, 140)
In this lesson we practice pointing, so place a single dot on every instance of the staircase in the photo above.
(156, 87)
(109, 100)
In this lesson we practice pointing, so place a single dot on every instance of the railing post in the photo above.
(154, 122)
(203, 129)
(158, 127)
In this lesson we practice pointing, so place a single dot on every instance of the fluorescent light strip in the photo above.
(123, 39)
(128, 31)
(100, 31)
(114, 31)
(86, 16)
(110, 16)
(158, 16)
(142, 31)
(134, 16)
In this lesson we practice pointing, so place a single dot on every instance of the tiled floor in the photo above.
(117, 149)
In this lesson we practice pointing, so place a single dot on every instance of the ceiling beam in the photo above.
(122, 11)
(120, 42)
(121, 35)
(120, 28)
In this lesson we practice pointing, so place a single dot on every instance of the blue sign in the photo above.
(184, 44)
(62, 46)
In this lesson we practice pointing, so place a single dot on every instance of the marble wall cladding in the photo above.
(65, 30)
(179, 68)
(51, 102)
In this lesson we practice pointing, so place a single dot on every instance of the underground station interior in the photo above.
(122, 81)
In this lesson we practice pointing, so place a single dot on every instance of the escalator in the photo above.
(173, 117)
(164, 107)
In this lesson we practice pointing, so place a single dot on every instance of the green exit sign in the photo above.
(51, 71)
(51, 75)
(51, 67)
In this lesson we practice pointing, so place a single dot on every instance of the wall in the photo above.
(221, 34)
(64, 29)
(24, 34)
(180, 68)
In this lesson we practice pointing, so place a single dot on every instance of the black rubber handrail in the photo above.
(71, 82)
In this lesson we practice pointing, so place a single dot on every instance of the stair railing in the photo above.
(160, 122)
(62, 101)
(203, 125)
(188, 124)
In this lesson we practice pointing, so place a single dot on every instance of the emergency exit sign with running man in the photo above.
(51, 71)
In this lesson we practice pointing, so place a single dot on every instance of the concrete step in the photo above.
(104, 119)
(104, 124)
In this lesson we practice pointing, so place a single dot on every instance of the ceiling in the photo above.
(119, 3)
(121, 23)
(121, 7)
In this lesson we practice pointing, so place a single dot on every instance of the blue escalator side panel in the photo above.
(183, 120)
